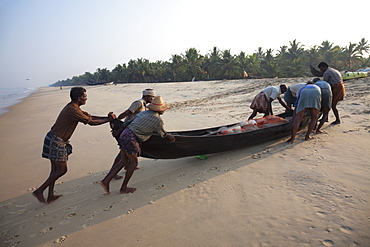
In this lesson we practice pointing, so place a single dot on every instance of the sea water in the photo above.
(12, 96)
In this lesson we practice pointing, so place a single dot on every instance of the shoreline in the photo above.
(10, 100)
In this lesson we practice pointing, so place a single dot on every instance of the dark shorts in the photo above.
(128, 142)
(55, 148)
(326, 98)
(289, 98)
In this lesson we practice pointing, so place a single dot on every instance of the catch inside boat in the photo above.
(219, 139)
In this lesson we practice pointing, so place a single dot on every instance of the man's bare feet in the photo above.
(290, 140)
(136, 168)
(308, 138)
(39, 197)
(117, 177)
(127, 190)
(105, 187)
(53, 198)
(335, 122)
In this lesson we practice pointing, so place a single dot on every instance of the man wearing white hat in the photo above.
(138, 105)
(142, 127)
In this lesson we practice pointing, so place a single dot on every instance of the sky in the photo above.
(43, 41)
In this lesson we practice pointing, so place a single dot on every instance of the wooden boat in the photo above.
(316, 72)
(202, 142)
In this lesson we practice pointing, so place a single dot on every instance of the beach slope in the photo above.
(310, 193)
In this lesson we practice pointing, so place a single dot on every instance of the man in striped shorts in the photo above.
(56, 144)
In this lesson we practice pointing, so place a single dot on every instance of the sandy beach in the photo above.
(310, 193)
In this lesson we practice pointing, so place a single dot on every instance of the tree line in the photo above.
(289, 61)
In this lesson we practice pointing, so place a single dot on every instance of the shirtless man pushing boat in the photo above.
(56, 144)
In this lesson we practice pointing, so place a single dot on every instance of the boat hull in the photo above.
(199, 142)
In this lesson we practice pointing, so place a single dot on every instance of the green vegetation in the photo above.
(293, 61)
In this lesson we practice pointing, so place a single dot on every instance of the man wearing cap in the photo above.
(142, 127)
(136, 107)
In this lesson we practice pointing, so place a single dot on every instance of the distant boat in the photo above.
(352, 75)
(107, 84)
(346, 75)
(93, 83)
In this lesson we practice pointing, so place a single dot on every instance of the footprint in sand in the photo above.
(67, 217)
(8, 205)
(108, 208)
(321, 214)
(70, 208)
(328, 242)
(60, 240)
(11, 238)
(90, 217)
(70, 215)
(46, 230)
(346, 229)
(14, 244)
(97, 211)
(40, 214)
(159, 187)
(3, 233)
(84, 226)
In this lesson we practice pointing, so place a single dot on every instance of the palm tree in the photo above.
(119, 73)
(102, 75)
(253, 66)
(212, 63)
(230, 67)
(192, 63)
(350, 54)
(296, 50)
(330, 53)
(260, 53)
(243, 62)
(88, 78)
(363, 46)
(176, 63)
(282, 61)
(268, 64)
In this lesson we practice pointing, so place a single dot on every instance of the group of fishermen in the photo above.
(143, 119)
(315, 98)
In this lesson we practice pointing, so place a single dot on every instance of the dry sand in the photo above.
(310, 193)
